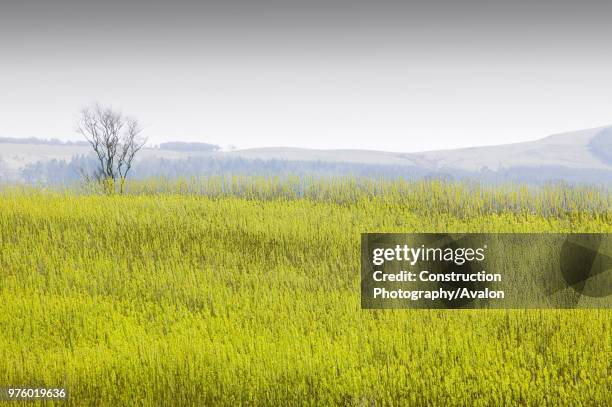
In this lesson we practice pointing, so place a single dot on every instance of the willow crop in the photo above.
(247, 292)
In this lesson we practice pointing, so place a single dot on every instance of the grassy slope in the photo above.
(191, 300)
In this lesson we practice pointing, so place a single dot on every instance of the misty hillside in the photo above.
(577, 149)
(571, 150)
(580, 156)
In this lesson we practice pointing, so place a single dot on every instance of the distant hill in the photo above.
(580, 156)
(38, 141)
(578, 149)
(569, 150)
(601, 146)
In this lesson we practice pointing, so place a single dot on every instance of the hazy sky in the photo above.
(388, 75)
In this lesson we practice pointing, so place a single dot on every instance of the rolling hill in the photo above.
(571, 150)
(579, 156)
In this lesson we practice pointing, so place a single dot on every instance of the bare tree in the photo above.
(115, 140)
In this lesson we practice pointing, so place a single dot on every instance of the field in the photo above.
(247, 292)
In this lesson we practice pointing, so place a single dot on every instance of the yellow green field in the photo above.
(247, 292)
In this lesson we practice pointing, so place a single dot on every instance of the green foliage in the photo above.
(250, 295)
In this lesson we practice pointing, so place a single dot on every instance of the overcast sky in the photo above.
(387, 75)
